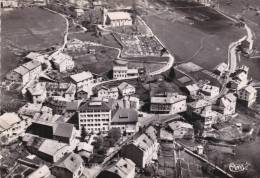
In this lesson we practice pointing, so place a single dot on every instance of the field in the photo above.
(204, 42)
(28, 29)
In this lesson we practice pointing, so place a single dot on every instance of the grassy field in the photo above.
(28, 29)
(203, 42)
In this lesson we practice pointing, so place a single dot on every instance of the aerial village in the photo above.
(135, 120)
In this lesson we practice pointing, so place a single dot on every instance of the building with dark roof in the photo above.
(142, 150)
(126, 120)
(123, 168)
(71, 166)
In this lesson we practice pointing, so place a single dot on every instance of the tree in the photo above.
(114, 133)
(83, 133)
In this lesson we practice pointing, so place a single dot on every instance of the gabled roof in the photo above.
(59, 57)
(35, 56)
(81, 76)
(125, 116)
(73, 105)
(179, 125)
(90, 106)
(63, 130)
(192, 87)
(250, 89)
(120, 68)
(170, 98)
(124, 85)
(119, 15)
(32, 65)
(21, 70)
(122, 167)
(7, 120)
(51, 147)
(199, 104)
(71, 162)
(228, 98)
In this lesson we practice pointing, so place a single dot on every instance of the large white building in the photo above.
(116, 19)
(107, 93)
(228, 104)
(125, 89)
(169, 103)
(11, 127)
(26, 72)
(83, 80)
(94, 116)
(62, 62)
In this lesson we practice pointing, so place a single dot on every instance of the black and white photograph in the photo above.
(130, 89)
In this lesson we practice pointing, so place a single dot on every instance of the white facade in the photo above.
(210, 91)
(126, 89)
(247, 94)
(108, 93)
(228, 102)
(62, 62)
(11, 127)
(120, 72)
(94, 116)
(83, 80)
(116, 19)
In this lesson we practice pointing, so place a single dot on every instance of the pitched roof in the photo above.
(124, 85)
(21, 70)
(179, 125)
(59, 57)
(63, 130)
(42, 171)
(228, 98)
(81, 76)
(120, 68)
(199, 104)
(125, 116)
(90, 106)
(192, 87)
(51, 147)
(35, 56)
(250, 89)
(71, 162)
(73, 105)
(170, 98)
(32, 65)
(122, 167)
(7, 120)
(119, 15)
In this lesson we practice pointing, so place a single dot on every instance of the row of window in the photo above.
(94, 115)
(94, 120)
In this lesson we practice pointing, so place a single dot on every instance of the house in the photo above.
(58, 104)
(107, 93)
(210, 91)
(9, 3)
(172, 103)
(83, 80)
(36, 57)
(228, 104)
(120, 72)
(143, 149)
(192, 89)
(72, 107)
(247, 95)
(126, 120)
(85, 150)
(62, 62)
(79, 12)
(71, 166)
(116, 19)
(75, 44)
(181, 129)
(40, 2)
(30, 109)
(19, 74)
(198, 106)
(126, 89)
(132, 73)
(239, 78)
(37, 93)
(11, 127)
(42, 172)
(123, 168)
(26, 72)
(82, 94)
(65, 132)
(52, 150)
(94, 116)
(132, 102)
(221, 69)
(66, 90)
